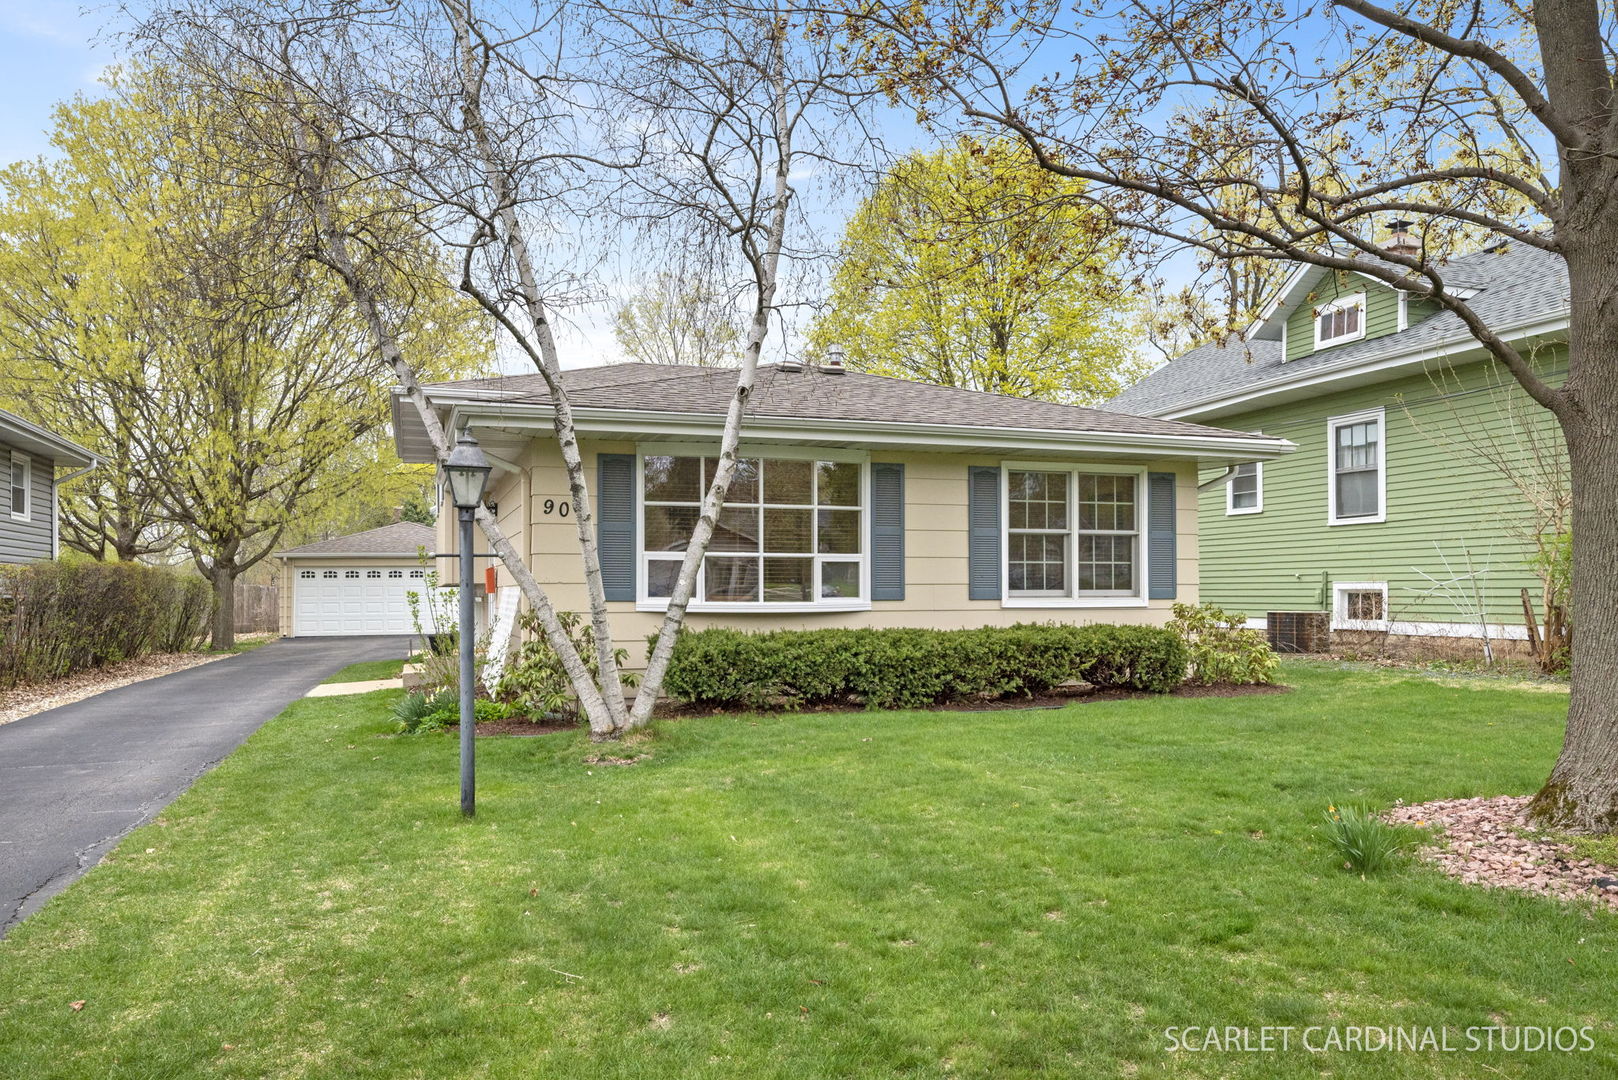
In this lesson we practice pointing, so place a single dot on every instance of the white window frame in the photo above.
(1343, 303)
(21, 462)
(1339, 605)
(1074, 598)
(1347, 419)
(1231, 509)
(644, 602)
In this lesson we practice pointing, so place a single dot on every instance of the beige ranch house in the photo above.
(861, 500)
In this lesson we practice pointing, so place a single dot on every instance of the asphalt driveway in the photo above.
(75, 779)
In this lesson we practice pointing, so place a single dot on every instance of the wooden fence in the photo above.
(258, 608)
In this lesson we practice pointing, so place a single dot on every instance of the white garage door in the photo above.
(354, 599)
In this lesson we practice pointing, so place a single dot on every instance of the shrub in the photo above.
(417, 713)
(906, 668)
(420, 714)
(535, 683)
(1365, 842)
(65, 616)
(435, 612)
(1220, 647)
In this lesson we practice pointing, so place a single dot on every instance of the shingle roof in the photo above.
(1516, 284)
(400, 538)
(814, 394)
(27, 435)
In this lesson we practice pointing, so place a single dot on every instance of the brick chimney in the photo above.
(1404, 242)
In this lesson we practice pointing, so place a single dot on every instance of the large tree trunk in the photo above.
(1582, 792)
(224, 607)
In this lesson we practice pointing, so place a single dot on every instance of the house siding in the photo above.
(32, 540)
(1443, 503)
(1381, 311)
(935, 514)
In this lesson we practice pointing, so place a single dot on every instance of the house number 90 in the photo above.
(559, 507)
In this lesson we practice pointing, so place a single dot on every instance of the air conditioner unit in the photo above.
(1299, 631)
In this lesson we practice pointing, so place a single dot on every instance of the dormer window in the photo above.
(1340, 321)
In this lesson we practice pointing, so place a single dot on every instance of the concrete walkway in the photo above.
(342, 689)
(75, 779)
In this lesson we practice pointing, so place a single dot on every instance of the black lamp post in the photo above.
(468, 473)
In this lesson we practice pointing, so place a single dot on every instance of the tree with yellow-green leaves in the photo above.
(969, 266)
(157, 304)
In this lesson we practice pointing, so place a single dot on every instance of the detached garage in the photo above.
(357, 584)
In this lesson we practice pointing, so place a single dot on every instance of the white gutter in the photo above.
(639, 423)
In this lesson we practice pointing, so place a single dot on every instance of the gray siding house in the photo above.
(30, 457)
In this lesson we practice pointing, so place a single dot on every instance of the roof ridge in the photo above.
(675, 371)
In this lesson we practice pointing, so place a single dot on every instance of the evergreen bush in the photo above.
(908, 668)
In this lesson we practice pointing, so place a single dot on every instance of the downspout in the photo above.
(1230, 471)
(56, 510)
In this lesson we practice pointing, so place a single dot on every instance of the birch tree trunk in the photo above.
(767, 269)
(538, 340)
(335, 254)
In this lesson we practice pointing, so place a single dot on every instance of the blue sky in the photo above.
(48, 53)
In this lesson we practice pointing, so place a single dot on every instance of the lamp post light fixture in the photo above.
(468, 473)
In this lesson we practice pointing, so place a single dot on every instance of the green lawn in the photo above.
(368, 670)
(1004, 894)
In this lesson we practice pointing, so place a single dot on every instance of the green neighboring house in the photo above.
(1395, 514)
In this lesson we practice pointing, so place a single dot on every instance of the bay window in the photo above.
(1072, 534)
(790, 531)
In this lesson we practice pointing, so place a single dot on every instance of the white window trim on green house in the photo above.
(1072, 596)
(1379, 416)
(644, 601)
(1231, 509)
(1355, 303)
(22, 479)
(1340, 619)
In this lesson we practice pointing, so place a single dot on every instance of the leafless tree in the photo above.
(677, 317)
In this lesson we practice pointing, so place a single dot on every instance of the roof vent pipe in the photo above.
(833, 362)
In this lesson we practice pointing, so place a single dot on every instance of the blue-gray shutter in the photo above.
(887, 532)
(1160, 554)
(615, 524)
(983, 532)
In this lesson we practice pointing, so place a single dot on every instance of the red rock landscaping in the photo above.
(1487, 842)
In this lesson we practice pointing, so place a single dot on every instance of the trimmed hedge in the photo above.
(60, 617)
(906, 668)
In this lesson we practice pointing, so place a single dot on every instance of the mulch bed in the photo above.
(518, 726)
(1058, 698)
(1487, 841)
